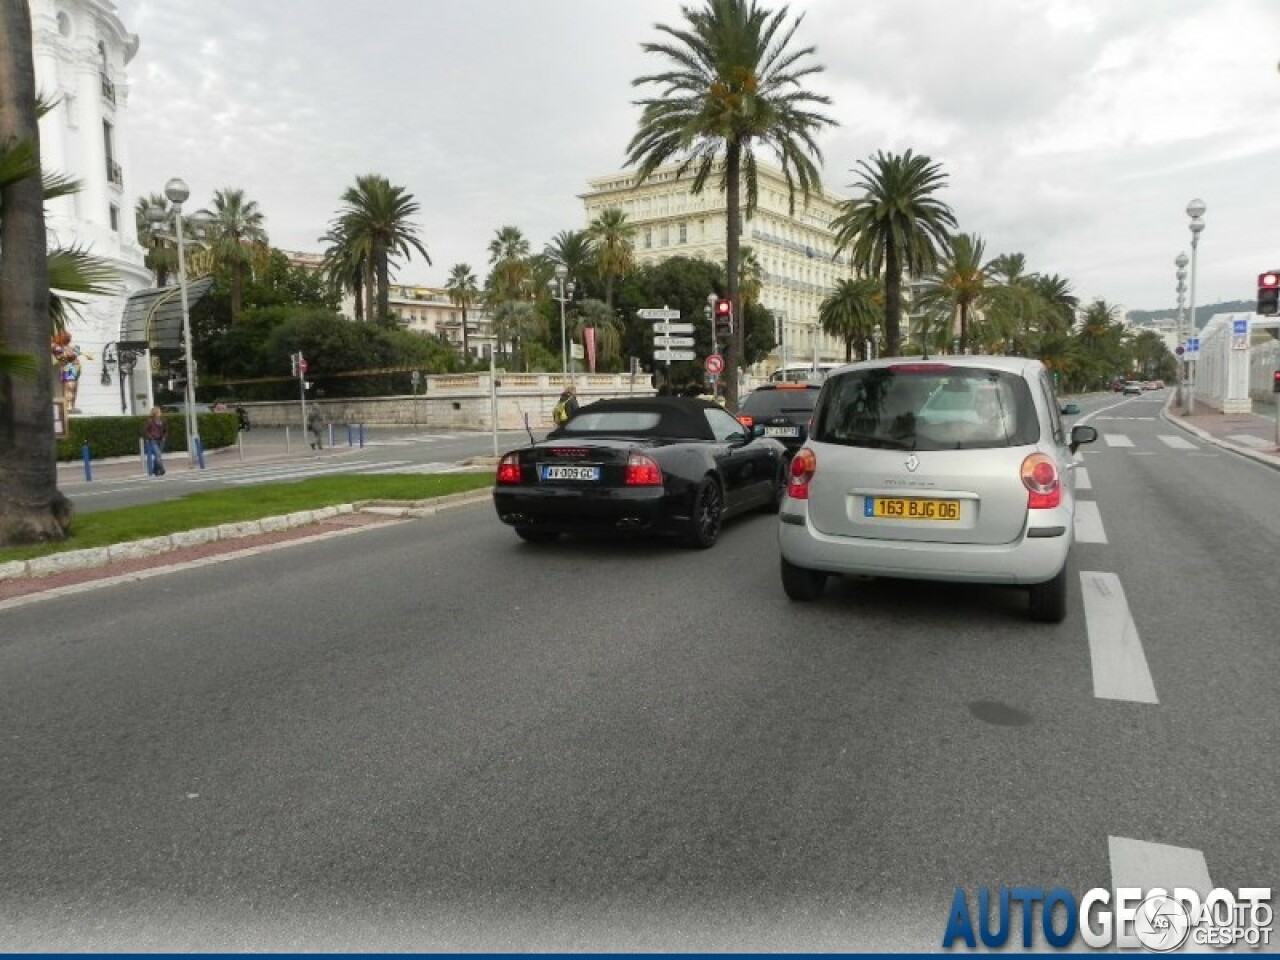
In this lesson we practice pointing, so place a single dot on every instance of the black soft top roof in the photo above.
(681, 418)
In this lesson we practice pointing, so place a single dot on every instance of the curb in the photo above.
(1257, 457)
(154, 546)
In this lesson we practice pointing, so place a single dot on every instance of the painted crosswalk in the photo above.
(1177, 443)
(411, 441)
(1117, 440)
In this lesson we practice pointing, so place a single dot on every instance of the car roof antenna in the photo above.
(525, 413)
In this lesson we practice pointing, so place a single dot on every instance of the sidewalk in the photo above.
(1251, 435)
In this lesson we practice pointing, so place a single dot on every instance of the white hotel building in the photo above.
(795, 250)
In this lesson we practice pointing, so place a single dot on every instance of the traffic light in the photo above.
(1275, 382)
(1269, 293)
(724, 318)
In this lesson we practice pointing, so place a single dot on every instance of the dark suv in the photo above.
(783, 409)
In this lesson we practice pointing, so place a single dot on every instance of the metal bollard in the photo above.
(200, 452)
(88, 464)
(362, 436)
(240, 444)
(350, 436)
(288, 448)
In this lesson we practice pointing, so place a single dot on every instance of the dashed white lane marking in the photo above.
(1178, 443)
(1119, 664)
(1082, 479)
(1117, 440)
(1137, 863)
(1249, 441)
(1088, 525)
(1126, 418)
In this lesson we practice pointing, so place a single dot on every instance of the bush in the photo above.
(119, 436)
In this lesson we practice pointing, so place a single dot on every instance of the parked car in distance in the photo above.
(955, 470)
(668, 465)
(783, 409)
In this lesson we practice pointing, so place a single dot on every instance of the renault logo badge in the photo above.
(912, 462)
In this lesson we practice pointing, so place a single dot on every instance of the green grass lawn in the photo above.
(212, 507)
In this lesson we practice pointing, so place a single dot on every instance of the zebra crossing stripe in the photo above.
(1178, 443)
(1082, 479)
(1117, 440)
(1137, 863)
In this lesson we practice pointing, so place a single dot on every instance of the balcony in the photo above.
(108, 90)
(114, 173)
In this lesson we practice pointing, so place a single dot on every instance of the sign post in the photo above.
(664, 344)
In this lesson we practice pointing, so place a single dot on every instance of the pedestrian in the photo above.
(154, 434)
(566, 407)
(243, 416)
(314, 424)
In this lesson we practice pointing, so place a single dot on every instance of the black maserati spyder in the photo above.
(667, 465)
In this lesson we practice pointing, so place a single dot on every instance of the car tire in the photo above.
(707, 515)
(801, 584)
(1049, 599)
(530, 535)
(779, 491)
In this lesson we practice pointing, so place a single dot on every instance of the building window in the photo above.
(664, 238)
(113, 214)
(684, 233)
(69, 102)
(648, 237)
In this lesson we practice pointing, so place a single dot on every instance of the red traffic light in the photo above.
(1269, 279)
(724, 308)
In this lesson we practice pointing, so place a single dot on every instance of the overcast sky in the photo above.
(1073, 131)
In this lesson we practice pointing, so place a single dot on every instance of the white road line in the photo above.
(1126, 418)
(1117, 440)
(1178, 443)
(1137, 863)
(1119, 664)
(1088, 526)
(304, 474)
(1249, 441)
(1082, 479)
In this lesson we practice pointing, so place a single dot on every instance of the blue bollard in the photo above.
(88, 461)
(362, 436)
(350, 436)
(200, 452)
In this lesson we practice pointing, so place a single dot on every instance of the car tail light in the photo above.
(746, 420)
(919, 367)
(803, 466)
(643, 471)
(1040, 477)
(509, 469)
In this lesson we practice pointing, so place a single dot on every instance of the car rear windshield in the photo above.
(927, 407)
(613, 421)
(771, 403)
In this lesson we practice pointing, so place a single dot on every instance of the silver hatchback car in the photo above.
(955, 469)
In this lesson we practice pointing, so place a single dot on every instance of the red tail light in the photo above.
(803, 466)
(643, 471)
(1040, 477)
(919, 367)
(746, 420)
(509, 469)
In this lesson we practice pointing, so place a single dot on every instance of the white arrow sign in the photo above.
(673, 341)
(657, 313)
(674, 355)
(673, 328)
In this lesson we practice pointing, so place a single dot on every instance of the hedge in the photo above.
(119, 436)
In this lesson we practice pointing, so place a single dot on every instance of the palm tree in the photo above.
(961, 281)
(518, 321)
(613, 240)
(344, 265)
(237, 241)
(734, 80)
(376, 219)
(608, 328)
(462, 294)
(1057, 303)
(894, 225)
(851, 313)
(750, 278)
(509, 272)
(162, 256)
(573, 250)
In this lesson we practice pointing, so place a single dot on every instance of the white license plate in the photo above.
(782, 431)
(550, 472)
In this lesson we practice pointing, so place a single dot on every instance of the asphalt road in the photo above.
(432, 736)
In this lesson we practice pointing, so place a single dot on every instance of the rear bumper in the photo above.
(1035, 557)
(567, 510)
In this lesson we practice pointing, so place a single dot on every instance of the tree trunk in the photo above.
(384, 290)
(237, 290)
(892, 301)
(466, 349)
(359, 297)
(735, 352)
(31, 508)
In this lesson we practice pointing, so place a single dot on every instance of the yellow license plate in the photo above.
(911, 508)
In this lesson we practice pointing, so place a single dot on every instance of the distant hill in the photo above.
(1203, 312)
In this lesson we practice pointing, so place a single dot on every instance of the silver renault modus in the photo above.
(954, 469)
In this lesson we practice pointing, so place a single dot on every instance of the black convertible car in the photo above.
(661, 464)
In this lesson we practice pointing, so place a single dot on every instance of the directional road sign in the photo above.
(673, 328)
(657, 313)
(673, 341)
(674, 355)
(1193, 345)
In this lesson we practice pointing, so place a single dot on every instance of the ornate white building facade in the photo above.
(82, 50)
(796, 250)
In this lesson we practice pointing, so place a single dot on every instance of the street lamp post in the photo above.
(1195, 210)
(1185, 360)
(176, 191)
(558, 292)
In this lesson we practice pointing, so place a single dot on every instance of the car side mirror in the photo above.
(1070, 409)
(1083, 433)
(741, 439)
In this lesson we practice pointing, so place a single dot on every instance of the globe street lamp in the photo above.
(176, 191)
(1195, 210)
(1184, 364)
(558, 292)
